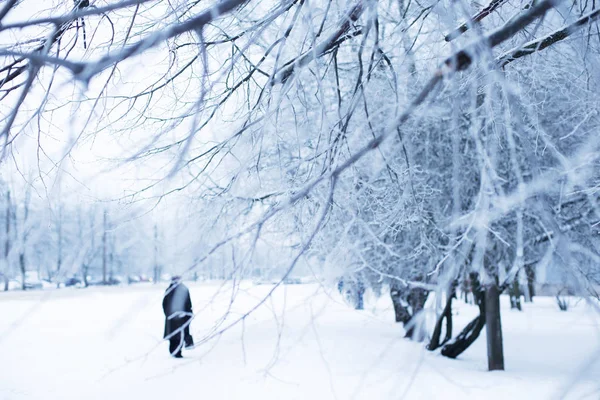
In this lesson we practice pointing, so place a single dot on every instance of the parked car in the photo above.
(47, 284)
(111, 280)
(14, 284)
(32, 280)
(114, 280)
(34, 285)
(94, 280)
(264, 281)
(73, 281)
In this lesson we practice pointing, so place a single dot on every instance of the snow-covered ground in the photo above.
(303, 343)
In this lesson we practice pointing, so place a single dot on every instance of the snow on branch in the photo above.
(84, 71)
(341, 34)
(548, 40)
(461, 60)
(75, 14)
(490, 8)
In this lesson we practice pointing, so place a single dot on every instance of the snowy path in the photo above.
(104, 343)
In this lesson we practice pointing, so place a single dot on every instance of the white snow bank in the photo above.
(304, 343)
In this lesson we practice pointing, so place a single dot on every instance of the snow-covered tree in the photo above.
(391, 139)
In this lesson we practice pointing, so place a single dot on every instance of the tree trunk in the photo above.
(400, 309)
(416, 299)
(7, 242)
(24, 235)
(494, 328)
(354, 291)
(111, 273)
(87, 260)
(466, 288)
(434, 343)
(59, 259)
(471, 332)
(156, 267)
(104, 250)
(23, 270)
(84, 270)
(465, 338)
(530, 273)
(408, 304)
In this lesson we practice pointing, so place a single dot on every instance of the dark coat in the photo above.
(177, 306)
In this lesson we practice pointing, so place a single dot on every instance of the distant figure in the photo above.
(353, 289)
(360, 292)
(177, 306)
(340, 285)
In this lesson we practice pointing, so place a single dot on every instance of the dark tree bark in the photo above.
(408, 303)
(84, 273)
(562, 303)
(548, 40)
(434, 343)
(416, 299)
(530, 273)
(494, 328)
(471, 332)
(59, 259)
(465, 338)
(24, 236)
(7, 240)
(104, 248)
(400, 305)
(23, 268)
(354, 291)
(90, 255)
(156, 266)
(515, 294)
(494, 4)
(465, 288)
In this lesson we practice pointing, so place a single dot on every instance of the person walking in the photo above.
(177, 306)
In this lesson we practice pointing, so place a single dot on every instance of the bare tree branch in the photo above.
(490, 8)
(322, 48)
(75, 14)
(547, 41)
